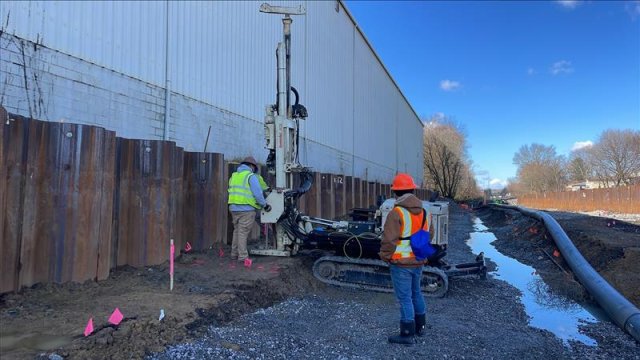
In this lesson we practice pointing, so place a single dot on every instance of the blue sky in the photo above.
(513, 72)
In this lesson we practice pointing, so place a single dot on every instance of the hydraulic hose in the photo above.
(306, 181)
(622, 311)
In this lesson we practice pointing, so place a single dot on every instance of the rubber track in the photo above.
(339, 260)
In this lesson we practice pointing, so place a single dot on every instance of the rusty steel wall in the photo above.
(205, 210)
(327, 198)
(13, 152)
(387, 191)
(624, 199)
(357, 193)
(149, 202)
(57, 186)
(77, 201)
(339, 195)
(348, 189)
(371, 193)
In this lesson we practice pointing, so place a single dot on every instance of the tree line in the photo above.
(613, 160)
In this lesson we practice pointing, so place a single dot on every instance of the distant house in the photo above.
(577, 186)
(586, 185)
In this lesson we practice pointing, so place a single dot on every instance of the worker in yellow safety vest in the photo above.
(245, 198)
(406, 219)
(263, 184)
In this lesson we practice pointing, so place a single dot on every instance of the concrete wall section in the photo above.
(53, 86)
(41, 83)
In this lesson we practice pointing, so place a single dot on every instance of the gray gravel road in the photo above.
(477, 319)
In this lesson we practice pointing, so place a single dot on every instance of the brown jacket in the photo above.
(393, 230)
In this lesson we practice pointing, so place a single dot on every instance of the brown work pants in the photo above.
(242, 225)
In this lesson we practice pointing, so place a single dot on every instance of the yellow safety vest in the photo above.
(240, 191)
(263, 184)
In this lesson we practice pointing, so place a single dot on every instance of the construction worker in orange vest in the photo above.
(406, 218)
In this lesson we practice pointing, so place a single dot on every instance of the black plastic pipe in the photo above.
(622, 311)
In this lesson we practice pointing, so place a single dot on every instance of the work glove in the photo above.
(267, 208)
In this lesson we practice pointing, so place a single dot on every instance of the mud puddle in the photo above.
(33, 341)
(547, 311)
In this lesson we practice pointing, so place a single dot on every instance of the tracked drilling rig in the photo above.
(350, 247)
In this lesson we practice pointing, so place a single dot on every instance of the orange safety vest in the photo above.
(410, 224)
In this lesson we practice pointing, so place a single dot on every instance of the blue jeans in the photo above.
(406, 284)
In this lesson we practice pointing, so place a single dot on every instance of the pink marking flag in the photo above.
(187, 247)
(116, 317)
(221, 252)
(172, 253)
(247, 263)
(89, 328)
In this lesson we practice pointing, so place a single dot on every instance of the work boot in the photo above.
(407, 330)
(421, 322)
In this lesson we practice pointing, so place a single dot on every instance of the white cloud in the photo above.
(633, 9)
(569, 4)
(561, 67)
(531, 71)
(496, 183)
(449, 85)
(434, 119)
(581, 144)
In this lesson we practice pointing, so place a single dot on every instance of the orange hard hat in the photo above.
(403, 181)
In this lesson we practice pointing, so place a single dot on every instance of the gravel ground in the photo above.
(477, 319)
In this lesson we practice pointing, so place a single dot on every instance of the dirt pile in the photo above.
(208, 290)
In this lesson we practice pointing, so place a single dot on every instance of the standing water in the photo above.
(546, 311)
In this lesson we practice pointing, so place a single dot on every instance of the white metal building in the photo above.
(109, 64)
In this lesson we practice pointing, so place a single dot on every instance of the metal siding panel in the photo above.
(375, 111)
(222, 53)
(330, 77)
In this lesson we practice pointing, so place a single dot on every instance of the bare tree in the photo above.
(534, 154)
(443, 166)
(446, 164)
(468, 188)
(615, 158)
(557, 178)
(579, 166)
(540, 169)
(515, 187)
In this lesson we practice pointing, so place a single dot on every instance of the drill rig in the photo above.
(354, 243)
